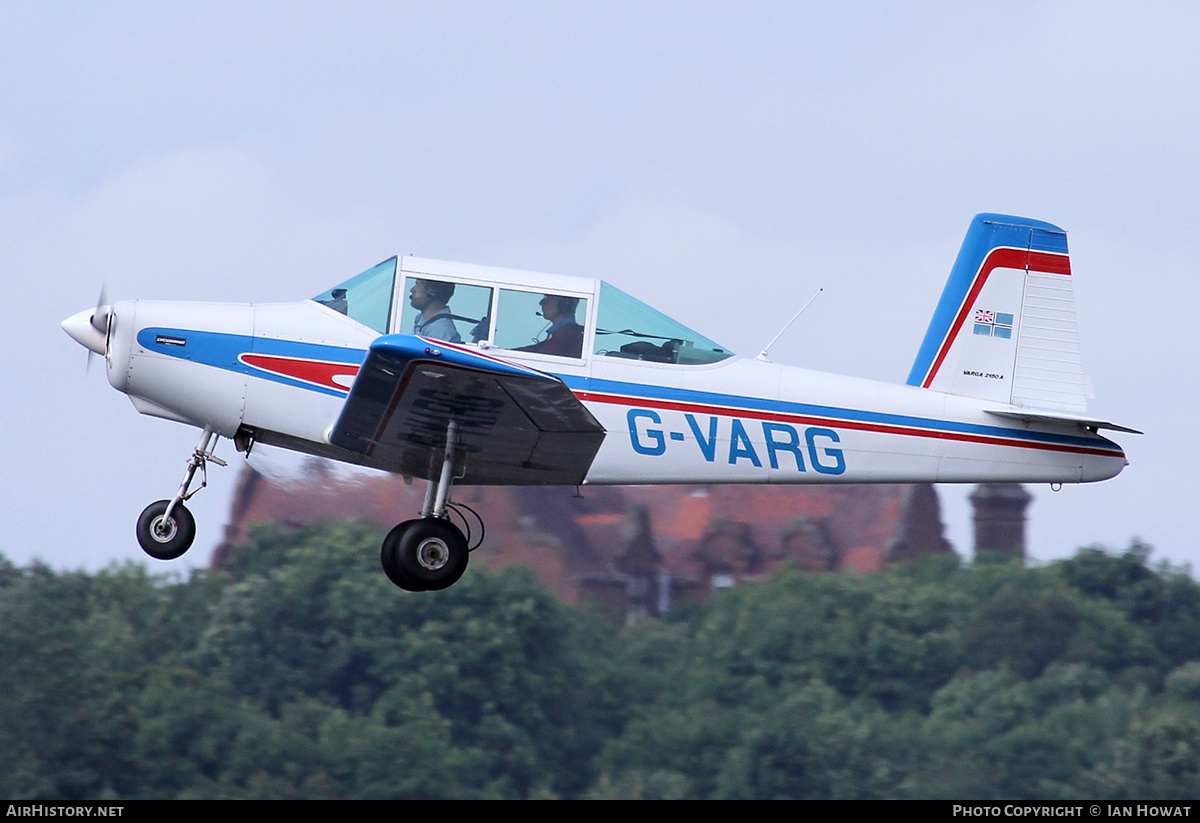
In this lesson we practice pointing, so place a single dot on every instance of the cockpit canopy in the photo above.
(558, 317)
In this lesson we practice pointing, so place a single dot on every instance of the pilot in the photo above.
(430, 298)
(565, 335)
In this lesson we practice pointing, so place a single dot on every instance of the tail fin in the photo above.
(1004, 329)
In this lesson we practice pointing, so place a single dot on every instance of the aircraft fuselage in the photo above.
(282, 372)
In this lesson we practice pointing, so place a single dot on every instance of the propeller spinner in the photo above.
(90, 328)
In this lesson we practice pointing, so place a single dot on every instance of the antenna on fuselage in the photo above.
(763, 354)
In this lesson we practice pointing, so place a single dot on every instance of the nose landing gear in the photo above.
(166, 529)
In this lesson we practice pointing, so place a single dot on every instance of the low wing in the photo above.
(515, 425)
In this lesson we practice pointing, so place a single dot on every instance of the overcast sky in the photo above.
(722, 161)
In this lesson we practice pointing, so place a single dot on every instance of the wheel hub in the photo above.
(163, 529)
(433, 553)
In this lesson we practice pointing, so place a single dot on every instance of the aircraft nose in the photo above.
(79, 326)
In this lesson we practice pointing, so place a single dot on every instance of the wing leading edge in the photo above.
(514, 424)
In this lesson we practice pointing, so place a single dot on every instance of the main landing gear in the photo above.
(431, 553)
(166, 528)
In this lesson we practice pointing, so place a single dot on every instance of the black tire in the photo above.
(165, 540)
(431, 553)
(388, 559)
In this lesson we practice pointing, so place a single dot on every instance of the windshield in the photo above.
(629, 328)
(366, 297)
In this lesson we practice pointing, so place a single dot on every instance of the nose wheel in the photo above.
(166, 529)
(166, 537)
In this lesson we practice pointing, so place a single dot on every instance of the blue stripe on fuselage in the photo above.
(222, 350)
(730, 405)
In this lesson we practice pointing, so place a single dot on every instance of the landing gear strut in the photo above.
(166, 528)
(429, 553)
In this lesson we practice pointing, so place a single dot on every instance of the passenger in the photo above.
(565, 335)
(430, 298)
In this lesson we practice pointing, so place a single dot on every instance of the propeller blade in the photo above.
(100, 315)
(92, 328)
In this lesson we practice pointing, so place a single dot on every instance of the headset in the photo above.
(438, 291)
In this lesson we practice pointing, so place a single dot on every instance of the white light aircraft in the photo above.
(462, 374)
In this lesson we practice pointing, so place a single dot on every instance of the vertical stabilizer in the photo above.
(1005, 327)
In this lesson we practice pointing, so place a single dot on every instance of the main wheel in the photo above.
(431, 553)
(165, 539)
(391, 566)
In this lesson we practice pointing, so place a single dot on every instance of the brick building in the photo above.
(629, 549)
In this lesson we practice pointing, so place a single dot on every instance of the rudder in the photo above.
(1005, 327)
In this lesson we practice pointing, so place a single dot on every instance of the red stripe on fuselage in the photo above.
(318, 372)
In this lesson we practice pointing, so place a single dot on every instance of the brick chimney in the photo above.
(1000, 518)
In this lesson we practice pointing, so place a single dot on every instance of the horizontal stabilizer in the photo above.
(1042, 416)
